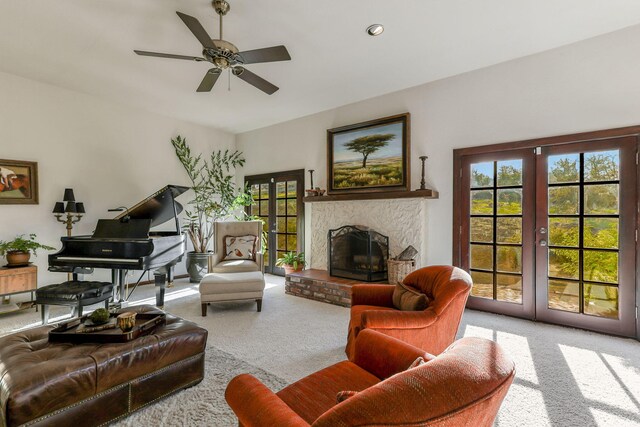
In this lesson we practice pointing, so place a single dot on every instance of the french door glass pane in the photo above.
(509, 288)
(482, 284)
(564, 168)
(601, 233)
(564, 295)
(482, 202)
(584, 232)
(482, 230)
(564, 232)
(482, 174)
(601, 199)
(602, 166)
(601, 300)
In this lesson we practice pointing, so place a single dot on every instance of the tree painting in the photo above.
(369, 144)
(368, 156)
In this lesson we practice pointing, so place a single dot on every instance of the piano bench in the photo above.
(61, 384)
(76, 294)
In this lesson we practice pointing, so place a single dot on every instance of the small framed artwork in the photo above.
(370, 156)
(18, 182)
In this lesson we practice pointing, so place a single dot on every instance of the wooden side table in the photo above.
(17, 280)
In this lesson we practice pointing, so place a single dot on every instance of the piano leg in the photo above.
(160, 280)
(170, 277)
(117, 278)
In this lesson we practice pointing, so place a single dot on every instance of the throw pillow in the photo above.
(406, 298)
(344, 395)
(240, 247)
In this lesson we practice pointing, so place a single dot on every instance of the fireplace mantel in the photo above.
(415, 194)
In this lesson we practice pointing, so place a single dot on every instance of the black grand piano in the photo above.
(126, 243)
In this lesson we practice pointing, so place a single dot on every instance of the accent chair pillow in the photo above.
(240, 247)
(406, 298)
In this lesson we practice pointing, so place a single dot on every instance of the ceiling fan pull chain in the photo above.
(229, 74)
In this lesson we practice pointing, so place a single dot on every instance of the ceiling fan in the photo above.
(225, 55)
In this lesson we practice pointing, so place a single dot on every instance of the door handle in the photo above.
(543, 243)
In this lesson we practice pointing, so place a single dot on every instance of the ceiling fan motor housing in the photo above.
(224, 55)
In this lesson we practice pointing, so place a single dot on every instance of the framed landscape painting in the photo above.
(18, 182)
(370, 156)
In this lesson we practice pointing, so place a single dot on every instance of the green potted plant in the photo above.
(291, 262)
(18, 251)
(216, 197)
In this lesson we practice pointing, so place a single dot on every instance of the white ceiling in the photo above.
(87, 46)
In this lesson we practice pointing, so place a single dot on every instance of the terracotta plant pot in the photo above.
(288, 269)
(18, 258)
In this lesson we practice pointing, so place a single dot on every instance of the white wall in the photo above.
(111, 155)
(594, 84)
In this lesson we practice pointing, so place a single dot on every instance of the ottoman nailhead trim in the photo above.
(127, 384)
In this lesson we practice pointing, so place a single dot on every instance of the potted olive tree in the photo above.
(18, 251)
(291, 262)
(216, 197)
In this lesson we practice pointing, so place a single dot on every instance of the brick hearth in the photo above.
(318, 285)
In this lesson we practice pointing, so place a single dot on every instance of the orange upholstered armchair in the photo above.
(433, 329)
(464, 386)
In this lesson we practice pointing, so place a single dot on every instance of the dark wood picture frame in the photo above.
(25, 183)
(404, 120)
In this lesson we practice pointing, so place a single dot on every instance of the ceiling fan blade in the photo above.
(255, 80)
(168, 55)
(209, 80)
(197, 29)
(267, 54)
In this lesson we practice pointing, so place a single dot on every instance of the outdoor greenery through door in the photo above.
(548, 232)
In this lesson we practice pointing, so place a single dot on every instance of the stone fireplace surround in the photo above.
(404, 221)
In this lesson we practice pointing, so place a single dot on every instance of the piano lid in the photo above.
(158, 207)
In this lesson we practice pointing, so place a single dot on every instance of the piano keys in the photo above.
(127, 243)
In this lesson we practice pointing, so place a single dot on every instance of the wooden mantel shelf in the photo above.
(415, 194)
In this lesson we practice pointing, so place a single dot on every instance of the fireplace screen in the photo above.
(358, 253)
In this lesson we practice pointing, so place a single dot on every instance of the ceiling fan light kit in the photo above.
(225, 55)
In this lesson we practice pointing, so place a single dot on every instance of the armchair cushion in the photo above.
(235, 266)
(406, 298)
(240, 247)
(314, 395)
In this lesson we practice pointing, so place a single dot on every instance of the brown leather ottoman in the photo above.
(44, 383)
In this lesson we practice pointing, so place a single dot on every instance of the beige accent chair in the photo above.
(233, 280)
(235, 228)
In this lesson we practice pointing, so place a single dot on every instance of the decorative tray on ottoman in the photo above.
(71, 331)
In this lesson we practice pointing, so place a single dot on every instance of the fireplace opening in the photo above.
(359, 253)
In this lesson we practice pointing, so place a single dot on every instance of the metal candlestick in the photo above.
(69, 220)
(422, 182)
(311, 174)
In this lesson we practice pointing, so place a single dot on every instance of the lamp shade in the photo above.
(58, 208)
(71, 207)
(68, 195)
(80, 207)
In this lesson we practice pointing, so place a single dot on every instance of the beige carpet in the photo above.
(565, 377)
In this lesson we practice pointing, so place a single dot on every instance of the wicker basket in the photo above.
(398, 270)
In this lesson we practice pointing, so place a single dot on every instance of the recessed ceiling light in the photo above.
(375, 29)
